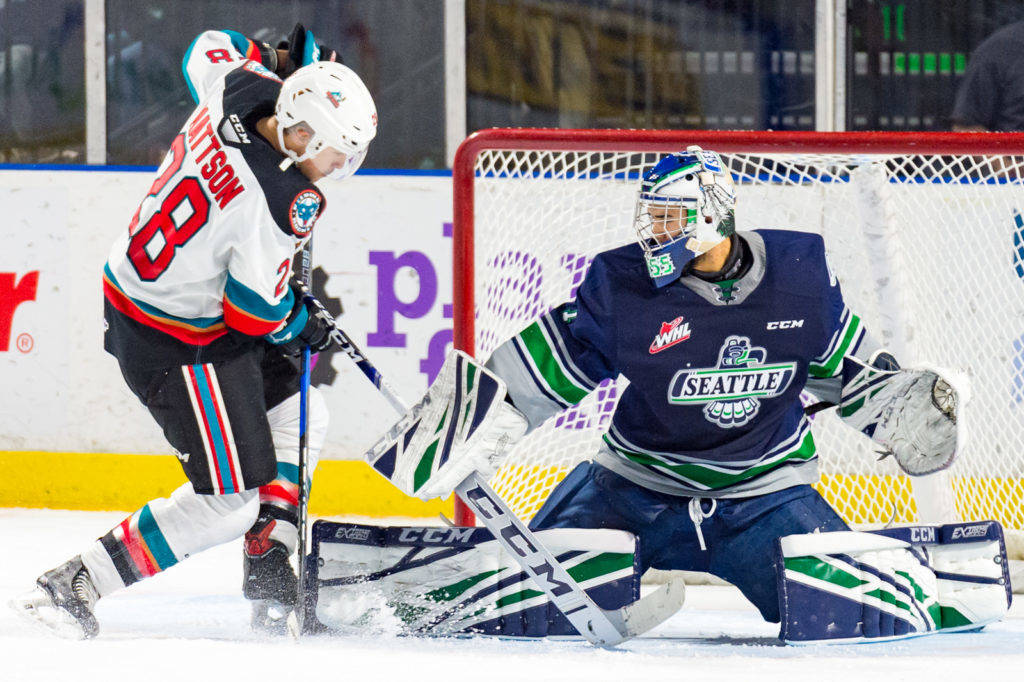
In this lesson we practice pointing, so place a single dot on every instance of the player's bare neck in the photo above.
(267, 128)
(715, 259)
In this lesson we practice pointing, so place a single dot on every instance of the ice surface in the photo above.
(191, 623)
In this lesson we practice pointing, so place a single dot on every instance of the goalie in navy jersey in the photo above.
(201, 316)
(709, 456)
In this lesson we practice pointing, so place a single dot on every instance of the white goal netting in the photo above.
(929, 250)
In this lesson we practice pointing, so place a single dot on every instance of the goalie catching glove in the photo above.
(461, 426)
(911, 413)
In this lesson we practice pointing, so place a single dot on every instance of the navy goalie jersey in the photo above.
(715, 370)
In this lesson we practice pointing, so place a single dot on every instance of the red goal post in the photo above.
(881, 200)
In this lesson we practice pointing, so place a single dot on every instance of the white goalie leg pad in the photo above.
(911, 413)
(892, 584)
(444, 581)
(463, 425)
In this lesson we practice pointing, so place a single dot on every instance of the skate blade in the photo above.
(37, 609)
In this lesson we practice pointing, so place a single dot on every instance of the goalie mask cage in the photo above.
(924, 231)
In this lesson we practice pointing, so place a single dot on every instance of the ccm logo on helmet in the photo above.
(303, 212)
(785, 324)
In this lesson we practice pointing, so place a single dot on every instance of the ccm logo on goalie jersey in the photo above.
(785, 324)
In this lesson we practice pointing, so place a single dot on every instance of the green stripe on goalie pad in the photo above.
(851, 586)
(443, 581)
(461, 426)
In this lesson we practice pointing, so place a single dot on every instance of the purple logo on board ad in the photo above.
(391, 309)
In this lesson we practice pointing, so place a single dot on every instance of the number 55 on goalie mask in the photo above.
(685, 206)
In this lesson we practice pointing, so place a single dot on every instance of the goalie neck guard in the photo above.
(685, 207)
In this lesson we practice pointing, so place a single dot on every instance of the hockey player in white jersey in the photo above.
(200, 314)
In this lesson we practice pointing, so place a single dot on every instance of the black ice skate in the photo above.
(268, 579)
(62, 601)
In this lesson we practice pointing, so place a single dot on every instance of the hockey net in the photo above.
(924, 231)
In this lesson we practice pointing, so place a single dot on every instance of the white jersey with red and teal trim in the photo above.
(210, 246)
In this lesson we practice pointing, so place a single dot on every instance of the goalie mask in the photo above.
(332, 100)
(685, 207)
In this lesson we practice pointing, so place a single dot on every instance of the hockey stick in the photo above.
(600, 626)
(305, 268)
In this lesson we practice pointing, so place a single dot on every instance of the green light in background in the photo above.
(887, 16)
(929, 63)
(899, 63)
(945, 63)
(959, 63)
(914, 60)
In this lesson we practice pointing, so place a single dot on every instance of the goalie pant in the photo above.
(732, 538)
(240, 457)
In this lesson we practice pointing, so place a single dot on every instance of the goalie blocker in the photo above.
(892, 584)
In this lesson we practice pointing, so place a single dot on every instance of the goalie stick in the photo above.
(601, 627)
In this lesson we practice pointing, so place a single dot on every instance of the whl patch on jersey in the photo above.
(304, 211)
(671, 333)
(732, 391)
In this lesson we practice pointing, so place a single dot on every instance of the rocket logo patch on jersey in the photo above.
(732, 391)
(671, 333)
(304, 211)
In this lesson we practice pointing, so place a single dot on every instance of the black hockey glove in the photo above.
(315, 331)
(303, 49)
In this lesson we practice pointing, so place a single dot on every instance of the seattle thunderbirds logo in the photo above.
(732, 392)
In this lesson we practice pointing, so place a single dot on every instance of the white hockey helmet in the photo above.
(685, 207)
(333, 101)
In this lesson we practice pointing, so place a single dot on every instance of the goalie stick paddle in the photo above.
(602, 627)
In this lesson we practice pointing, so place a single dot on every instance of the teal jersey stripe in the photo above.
(292, 329)
(247, 300)
(155, 540)
(216, 435)
(288, 472)
(831, 366)
(199, 322)
(238, 41)
(184, 70)
(546, 361)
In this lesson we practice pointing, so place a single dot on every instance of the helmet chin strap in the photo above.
(290, 156)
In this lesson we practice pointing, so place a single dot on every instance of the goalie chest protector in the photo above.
(715, 369)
